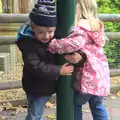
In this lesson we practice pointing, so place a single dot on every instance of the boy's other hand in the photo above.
(74, 58)
(66, 70)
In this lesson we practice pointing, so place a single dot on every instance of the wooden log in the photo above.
(13, 18)
(23, 101)
(15, 102)
(9, 27)
(20, 18)
(10, 85)
(6, 40)
(113, 35)
(114, 72)
(110, 17)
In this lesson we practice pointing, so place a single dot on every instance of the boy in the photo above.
(40, 73)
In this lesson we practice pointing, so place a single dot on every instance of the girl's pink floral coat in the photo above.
(94, 77)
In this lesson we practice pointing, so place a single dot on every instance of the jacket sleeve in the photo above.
(33, 63)
(70, 44)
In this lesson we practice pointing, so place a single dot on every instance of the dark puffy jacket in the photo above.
(40, 73)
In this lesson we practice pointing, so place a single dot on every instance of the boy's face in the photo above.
(43, 34)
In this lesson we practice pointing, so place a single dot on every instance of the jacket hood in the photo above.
(98, 36)
(25, 31)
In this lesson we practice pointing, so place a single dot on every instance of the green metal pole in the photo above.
(65, 15)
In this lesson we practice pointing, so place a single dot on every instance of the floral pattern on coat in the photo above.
(94, 77)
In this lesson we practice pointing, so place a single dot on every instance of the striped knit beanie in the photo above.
(44, 13)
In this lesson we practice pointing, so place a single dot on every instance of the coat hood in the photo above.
(25, 31)
(98, 36)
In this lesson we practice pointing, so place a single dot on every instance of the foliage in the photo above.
(111, 48)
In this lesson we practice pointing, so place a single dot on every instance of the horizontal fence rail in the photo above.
(6, 40)
(114, 72)
(17, 83)
(109, 17)
(113, 35)
(10, 85)
(20, 18)
(13, 18)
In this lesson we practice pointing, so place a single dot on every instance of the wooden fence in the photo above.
(20, 18)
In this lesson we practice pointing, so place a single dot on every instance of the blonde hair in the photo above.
(87, 9)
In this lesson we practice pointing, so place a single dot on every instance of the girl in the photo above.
(92, 80)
